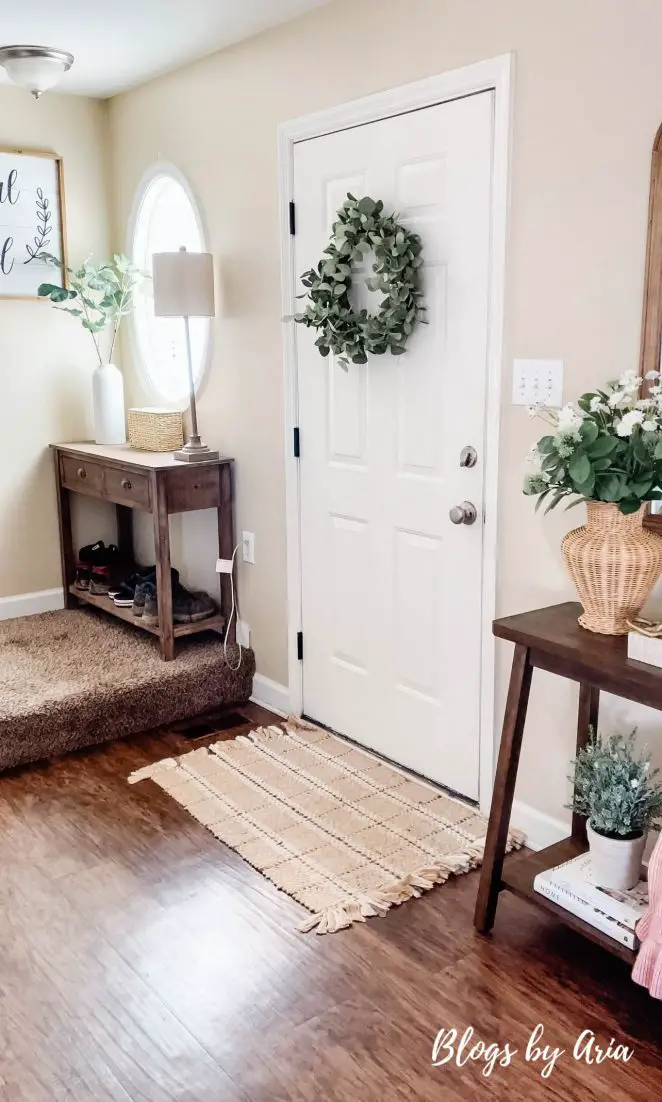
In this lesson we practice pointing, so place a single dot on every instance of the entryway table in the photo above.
(551, 639)
(156, 483)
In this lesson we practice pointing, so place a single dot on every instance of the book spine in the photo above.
(594, 918)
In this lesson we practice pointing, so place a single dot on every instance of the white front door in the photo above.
(391, 589)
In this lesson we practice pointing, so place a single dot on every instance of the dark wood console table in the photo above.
(551, 639)
(156, 483)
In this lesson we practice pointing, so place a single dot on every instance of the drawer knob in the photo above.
(126, 484)
(81, 472)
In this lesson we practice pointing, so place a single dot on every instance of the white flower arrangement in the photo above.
(607, 446)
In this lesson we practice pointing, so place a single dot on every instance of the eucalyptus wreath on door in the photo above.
(362, 228)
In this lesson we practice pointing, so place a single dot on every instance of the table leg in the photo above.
(504, 789)
(125, 535)
(226, 541)
(163, 576)
(587, 718)
(67, 554)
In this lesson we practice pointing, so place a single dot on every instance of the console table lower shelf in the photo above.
(106, 604)
(520, 872)
(551, 639)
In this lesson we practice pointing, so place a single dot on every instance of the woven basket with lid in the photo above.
(614, 563)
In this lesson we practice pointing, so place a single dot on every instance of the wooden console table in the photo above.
(551, 639)
(153, 482)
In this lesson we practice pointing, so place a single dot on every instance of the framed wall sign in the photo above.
(31, 221)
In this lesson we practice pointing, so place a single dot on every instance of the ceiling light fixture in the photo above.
(36, 68)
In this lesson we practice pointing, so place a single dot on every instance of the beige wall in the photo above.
(45, 358)
(588, 101)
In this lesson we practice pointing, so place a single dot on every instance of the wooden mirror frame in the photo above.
(651, 324)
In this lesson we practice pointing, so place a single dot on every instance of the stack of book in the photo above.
(643, 646)
(572, 886)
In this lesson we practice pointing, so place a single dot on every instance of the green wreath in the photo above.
(361, 228)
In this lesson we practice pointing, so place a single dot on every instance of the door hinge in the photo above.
(297, 443)
(293, 220)
(300, 645)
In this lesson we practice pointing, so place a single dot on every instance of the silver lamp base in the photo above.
(195, 453)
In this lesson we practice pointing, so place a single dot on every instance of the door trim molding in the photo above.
(496, 75)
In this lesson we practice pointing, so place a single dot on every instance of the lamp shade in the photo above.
(183, 285)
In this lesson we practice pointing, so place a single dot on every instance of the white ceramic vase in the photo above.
(616, 862)
(108, 405)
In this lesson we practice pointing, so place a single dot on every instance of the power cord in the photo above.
(234, 611)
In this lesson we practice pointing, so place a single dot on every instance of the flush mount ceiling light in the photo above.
(36, 68)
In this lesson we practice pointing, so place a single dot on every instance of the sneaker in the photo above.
(190, 606)
(82, 576)
(150, 613)
(100, 581)
(139, 597)
(91, 556)
(187, 607)
(124, 594)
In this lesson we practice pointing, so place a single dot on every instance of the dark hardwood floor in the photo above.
(142, 960)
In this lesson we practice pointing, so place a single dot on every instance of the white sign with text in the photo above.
(30, 222)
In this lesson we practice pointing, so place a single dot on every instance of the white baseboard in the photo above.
(270, 694)
(29, 604)
(541, 830)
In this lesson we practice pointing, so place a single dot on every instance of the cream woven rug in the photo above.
(340, 831)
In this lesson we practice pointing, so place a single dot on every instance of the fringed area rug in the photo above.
(343, 833)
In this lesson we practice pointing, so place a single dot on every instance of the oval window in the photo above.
(166, 217)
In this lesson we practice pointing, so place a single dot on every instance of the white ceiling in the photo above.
(125, 42)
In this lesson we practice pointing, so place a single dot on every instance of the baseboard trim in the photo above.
(540, 830)
(270, 694)
(29, 604)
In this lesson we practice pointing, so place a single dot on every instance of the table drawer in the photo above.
(193, 489)
(81, 475)
(126, 487)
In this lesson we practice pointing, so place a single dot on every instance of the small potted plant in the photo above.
(615, 789)
(606, 450)
(100, 296)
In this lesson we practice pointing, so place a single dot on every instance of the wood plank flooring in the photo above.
(142, 961)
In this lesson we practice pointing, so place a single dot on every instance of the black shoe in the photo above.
(126, 587)
(124, 595)
(95, 555)
(187, 607)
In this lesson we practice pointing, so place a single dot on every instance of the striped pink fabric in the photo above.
(648, 966)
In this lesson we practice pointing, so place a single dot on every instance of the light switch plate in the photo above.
(538, 383)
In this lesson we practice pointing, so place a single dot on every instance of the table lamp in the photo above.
(183, 285)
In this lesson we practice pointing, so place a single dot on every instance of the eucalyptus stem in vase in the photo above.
(606, 450)
(100, 296)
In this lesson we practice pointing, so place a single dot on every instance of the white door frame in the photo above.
(495, 74)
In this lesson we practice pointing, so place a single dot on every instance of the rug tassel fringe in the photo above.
(411, 886)
(148, 771)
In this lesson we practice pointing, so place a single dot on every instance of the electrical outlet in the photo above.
(538, 383)
(248, 547)
(243, 633)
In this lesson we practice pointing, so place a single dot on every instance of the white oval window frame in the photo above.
(146, 378)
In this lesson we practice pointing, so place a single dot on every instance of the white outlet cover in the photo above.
(243, 633)
(248, 547)
(538, 383)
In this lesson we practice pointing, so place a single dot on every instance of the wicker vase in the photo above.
(614, 564)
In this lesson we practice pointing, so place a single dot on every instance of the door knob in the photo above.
(464, 513)
(468, 456)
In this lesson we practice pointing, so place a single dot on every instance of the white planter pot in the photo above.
(108, 405)
(616, 862)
